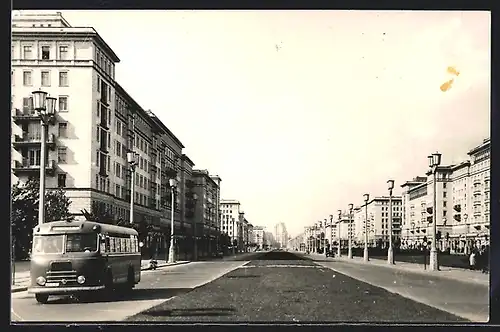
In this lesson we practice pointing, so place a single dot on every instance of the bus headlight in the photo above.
(41, 281)
(80, 279)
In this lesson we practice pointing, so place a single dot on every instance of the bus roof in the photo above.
(79, 226)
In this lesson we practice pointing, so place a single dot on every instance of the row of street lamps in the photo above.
(434, 162)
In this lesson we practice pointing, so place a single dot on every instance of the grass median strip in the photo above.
(284, 294)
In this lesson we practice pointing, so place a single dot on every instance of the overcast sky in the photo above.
(301, 112)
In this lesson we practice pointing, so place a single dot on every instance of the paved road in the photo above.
(470, 301)
(155, 288)
(284, 287)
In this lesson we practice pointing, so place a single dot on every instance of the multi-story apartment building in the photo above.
(258, 236)
(97, 123)
(207, 190)
(378, 221)
(280, 234)
(462, 204)
(230, 218)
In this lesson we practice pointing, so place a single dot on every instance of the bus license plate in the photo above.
(52, 284)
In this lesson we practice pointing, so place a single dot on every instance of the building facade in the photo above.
(230, 218)
(463, 204)
(258, 236)
(281, 234)
(96, 125)
(378, 221)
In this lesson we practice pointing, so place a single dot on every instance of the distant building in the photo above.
(281, 234)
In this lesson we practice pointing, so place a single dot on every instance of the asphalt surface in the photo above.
(155, 288)
(284, 287)
(470, 301)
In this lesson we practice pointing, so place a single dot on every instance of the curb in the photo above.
(418, 271)
(25, 288)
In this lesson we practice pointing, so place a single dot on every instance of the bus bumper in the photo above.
(63, 290)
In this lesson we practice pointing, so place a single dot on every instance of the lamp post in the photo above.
(324, 236)
(340, 236)
(349, 229)
(46, 109)
(390, 251)
(132, 163)
(232, 239)
(195, 236)
(434, 162)
(466, 247)
(365, 251)
(171, 250)
(331, 233)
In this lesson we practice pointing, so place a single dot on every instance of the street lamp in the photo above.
(390, 252)
(171, 250)
(366, 197)
(466, 246)
(434, 162)
(331, 233)
(349, 229)
(46, 109)
(132, 158)
(195, 236)
(340, 236)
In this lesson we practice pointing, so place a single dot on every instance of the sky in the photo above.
(302, 112)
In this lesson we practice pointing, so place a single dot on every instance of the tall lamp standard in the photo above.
(340, 236)
(390, 252)
(195, 235)
(46, 109)
(324, 236)
(434, 162)
(349, 230)
(171, 249)
(132, 163)
(331, 233)
(365, 251)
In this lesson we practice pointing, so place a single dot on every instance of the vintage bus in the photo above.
(75, 257)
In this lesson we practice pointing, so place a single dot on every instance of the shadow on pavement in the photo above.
(242, 276)
(134, 295)
(280, 256)
(198, 312)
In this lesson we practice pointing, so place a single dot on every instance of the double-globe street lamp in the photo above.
(390, 251)
(434, 162)
(46, 108)
(349, 231)
(171, 250)
(365, 251)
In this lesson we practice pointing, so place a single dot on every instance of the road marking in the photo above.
(15, 314)
(278, 266)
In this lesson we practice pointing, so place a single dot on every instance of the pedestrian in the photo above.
(472, 260)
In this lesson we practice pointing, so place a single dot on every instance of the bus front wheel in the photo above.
(42, 298)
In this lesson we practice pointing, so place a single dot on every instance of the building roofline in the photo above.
(66, 32)
(187, 159)
(484, 145)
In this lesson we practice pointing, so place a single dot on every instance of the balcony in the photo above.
(477, 190)
(477, 201)
(24, 167)
(476, 182)
(477, 213)
(26, 115)
(457, 207)
(30, 140)
(457, 217)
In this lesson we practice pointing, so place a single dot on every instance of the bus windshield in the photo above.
(48, 244)
(81, 242)
(54, 244)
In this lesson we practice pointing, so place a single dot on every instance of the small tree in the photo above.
(24, 215)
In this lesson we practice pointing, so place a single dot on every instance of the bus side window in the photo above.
(102, 243)
(108, 244)
(125, 245)
(136, 244)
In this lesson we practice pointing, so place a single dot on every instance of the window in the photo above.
(117, 190)
(63, 103)
(61, 180)
(63, 52)
(444, 204)
(45, 52)
(98, 84)
(118, 127)
(118, 149)
(12, 76)
(61, 154)
(27, 81)
(27, 52)
(444, 194)
(81, 242)
(28, 104)
(63, 128)
(63, 78)
(45, 78)
(444, 185)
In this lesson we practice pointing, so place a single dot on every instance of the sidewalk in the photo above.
(468, 276)
(23, 280)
